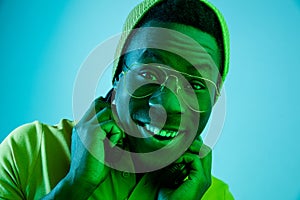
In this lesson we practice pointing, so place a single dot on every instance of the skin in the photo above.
(87, 170)
(139, 109)
(174, 107)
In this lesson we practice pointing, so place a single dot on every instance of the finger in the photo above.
(204, 150)
(91, 138)
(89, 114)
(192, 160)
(206, 164)
(205, 155)
(100, 103)
(104, 115)
(97, 105)
(195, 169)
(110, 127)
(196, 146)
(113, 132)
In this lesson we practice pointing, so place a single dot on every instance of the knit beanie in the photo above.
(141, 9)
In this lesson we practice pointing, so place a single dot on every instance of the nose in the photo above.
(167, 97)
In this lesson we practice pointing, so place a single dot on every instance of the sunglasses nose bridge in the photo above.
(170, 84)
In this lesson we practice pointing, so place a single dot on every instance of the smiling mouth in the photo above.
(161, 134)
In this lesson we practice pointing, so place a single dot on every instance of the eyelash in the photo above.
(146, 74)
(194, 82)
(153, 76)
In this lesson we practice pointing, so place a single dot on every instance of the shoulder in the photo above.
(25, 136)
(30, 151)
(33, 139)
(30, 135)
(28, 139)
(218, 190)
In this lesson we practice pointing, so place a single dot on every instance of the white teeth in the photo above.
(153, 129)
(168, 134)
(163, 133)
(156, 130)
(174, 134)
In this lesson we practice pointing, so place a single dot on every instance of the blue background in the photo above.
(43, 44)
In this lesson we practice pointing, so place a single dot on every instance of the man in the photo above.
(141, 141)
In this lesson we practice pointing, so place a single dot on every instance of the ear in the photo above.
(219, 88)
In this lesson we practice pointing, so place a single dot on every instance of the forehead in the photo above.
(176, 45)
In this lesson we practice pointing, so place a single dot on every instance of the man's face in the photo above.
(153, 115)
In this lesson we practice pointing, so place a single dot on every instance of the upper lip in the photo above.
(172, 122)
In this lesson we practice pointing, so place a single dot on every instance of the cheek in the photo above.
(129, 109)
(204, 117)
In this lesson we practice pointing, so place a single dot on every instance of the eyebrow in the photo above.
(155, 57)
(206, 66)
(149, 53)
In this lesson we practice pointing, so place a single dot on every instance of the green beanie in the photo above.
(139, 11)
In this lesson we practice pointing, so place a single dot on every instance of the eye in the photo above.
(196, 85)
(149, 75)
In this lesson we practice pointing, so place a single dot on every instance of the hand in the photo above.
(88, 143)
(90, 139)
(199, 177)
